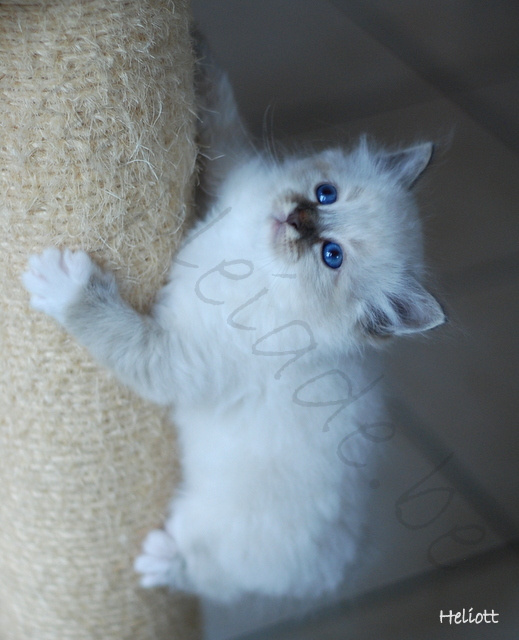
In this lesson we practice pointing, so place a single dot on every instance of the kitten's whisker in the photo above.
(268, 136)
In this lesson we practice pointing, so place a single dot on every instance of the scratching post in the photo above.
(96, 152)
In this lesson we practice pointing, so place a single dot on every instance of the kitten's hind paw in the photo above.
(160, 564)
(56, 279)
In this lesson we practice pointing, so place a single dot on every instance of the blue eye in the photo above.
(332, 255)
(326, 194)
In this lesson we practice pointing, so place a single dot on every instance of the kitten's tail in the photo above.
(223, 138)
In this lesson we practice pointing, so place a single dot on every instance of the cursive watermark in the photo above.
(460, 617)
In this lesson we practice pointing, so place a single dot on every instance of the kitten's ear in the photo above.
(409, 310)
(408, 164)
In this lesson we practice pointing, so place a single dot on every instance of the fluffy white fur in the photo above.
(255, 343)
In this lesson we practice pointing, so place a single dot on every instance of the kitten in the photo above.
(263, 343)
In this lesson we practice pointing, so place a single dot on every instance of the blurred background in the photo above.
(445, 514)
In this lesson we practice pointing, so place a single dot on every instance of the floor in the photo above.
(411, 609)
(448, 71)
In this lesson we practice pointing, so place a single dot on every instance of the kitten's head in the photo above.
(346, 225)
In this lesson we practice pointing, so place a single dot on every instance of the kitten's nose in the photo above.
(294, 220)
(302, 218)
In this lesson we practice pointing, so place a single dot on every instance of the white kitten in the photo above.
(261, 342)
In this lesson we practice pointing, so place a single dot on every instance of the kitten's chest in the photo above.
(237, 318)
(249, 348)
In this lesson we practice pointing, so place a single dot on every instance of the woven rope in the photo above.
(96, 151)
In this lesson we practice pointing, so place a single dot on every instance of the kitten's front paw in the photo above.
(56, 280)
(160, 564)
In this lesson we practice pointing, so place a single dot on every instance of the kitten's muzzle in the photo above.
(304, 220)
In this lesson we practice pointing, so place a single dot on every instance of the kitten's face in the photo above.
(346, 226)
(336, 215)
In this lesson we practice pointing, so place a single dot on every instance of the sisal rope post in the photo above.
(96, 152)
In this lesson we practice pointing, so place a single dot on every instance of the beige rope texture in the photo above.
(97, 152)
